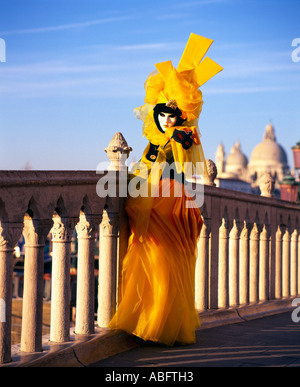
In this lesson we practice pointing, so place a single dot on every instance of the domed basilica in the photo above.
(237, 173)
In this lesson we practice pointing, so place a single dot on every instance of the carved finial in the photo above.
(212, 172)
(118, 152)
(266, 185)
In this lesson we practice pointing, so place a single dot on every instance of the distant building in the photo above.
(238, 174)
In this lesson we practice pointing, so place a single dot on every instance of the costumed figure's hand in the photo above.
(185, 138)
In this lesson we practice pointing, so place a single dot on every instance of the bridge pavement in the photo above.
(272, 341)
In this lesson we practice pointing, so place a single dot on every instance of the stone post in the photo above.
(253, 266)
(264, 264)
(201, 273)
(286, 263)
(278, 263)
(213, 269)
(234, 264)
(60, 297)
(223, 266)
(107, 295)
(35, 233)
(212, 173)
(294, 239)
(109, 249)
(298, 264)
(85, 294)
(266, 185)
(10, 233)
(244, 264)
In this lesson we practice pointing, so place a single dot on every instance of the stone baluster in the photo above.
(201, 272)
(294, 258)
(244, 264)
(264, 263)
(223, 296)
(213, 269)
(107, 295)
(109, 249)
(35, 233)
(286, 263)
(234, 236)
(298, 264)
(266, 185)
(10, 233)
(278, 262)
(253, 266)
(202, 263)
(62, 232)
(85, 299)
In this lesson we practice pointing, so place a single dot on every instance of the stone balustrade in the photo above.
(37, 203)
(248, 250)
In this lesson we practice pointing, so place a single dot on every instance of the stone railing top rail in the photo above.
(18, 178)
(249, 197)
(13, 178)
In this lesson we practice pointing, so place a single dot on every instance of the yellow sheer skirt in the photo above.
(158, 277)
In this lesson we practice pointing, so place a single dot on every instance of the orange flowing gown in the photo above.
(158, 276)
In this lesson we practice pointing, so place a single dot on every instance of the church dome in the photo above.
(268, 156)
(268, 153)
(236, 161)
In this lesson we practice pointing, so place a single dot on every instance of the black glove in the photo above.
(183, 137)
(152, 153)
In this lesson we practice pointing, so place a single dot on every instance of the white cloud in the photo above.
(166, 46)
(244, 70)
(56, 68)
(146, 46)
(247, 90)
(86, 85)
(65, 26)
(187, 4)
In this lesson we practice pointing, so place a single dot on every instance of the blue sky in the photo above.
(75, 70)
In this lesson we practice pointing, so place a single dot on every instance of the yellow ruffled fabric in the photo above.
(170, 84)
(182, 84)
(157, 301)
(191, 162)
(157, 296)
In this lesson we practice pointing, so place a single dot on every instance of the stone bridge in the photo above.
(248, 257)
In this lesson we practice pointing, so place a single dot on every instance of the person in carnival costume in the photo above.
(158, 272)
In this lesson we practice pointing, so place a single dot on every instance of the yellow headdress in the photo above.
(176, 88)
(181, 84)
